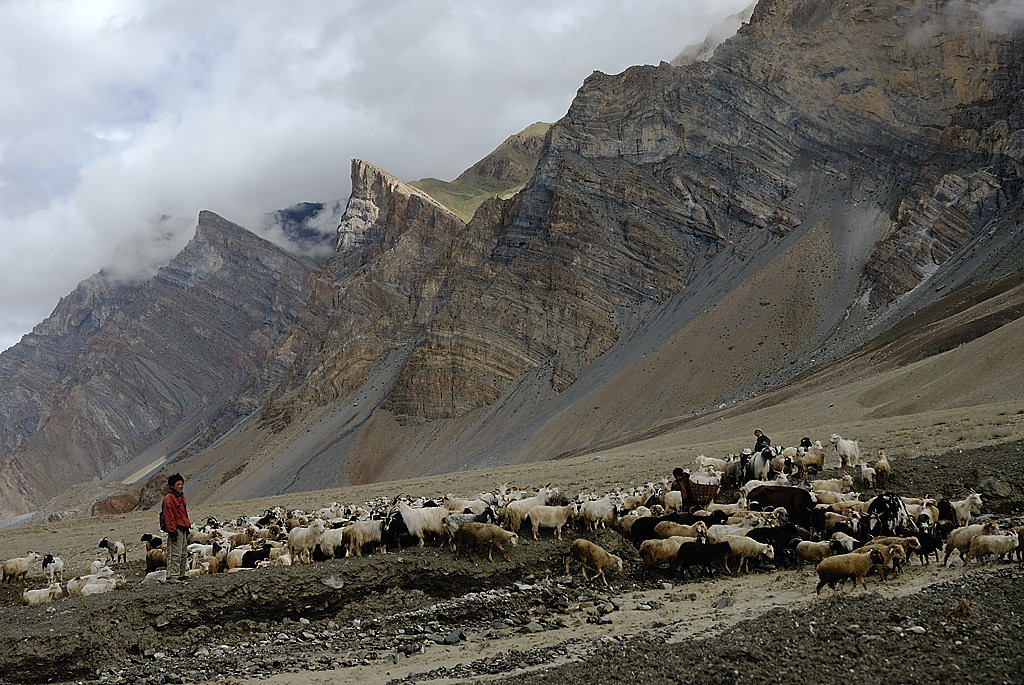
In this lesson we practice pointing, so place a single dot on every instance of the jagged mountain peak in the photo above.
(686, 237)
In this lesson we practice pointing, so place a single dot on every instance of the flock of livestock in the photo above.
(782, 515)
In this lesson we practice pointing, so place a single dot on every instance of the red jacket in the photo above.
(175, 513)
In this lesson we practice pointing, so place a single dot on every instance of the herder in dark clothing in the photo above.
(763, 441)
(681, 482)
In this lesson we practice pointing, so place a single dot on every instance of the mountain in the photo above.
(835, 192)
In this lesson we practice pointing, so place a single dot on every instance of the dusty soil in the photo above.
(420, 615)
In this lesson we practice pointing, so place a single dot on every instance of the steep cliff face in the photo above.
(121, 369)
(858, 147)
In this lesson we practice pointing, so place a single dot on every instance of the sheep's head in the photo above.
(876, 557)
(513, 540)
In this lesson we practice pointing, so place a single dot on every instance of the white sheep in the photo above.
(660, 551)
(545, 516)
(18, 568)
(586, 552)
(845, 540)
(598, 513)
(983, 546)
(849, 452)
(666, 529)
(806, 550)
(515, 511)
(960, 538)
(744, 548)
(839, 567)
(719, 531)
(46, 594)
(474, 534)
(806, 458)
(867, 476)
(301, 541)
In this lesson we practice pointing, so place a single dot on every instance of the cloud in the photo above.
(122, 120)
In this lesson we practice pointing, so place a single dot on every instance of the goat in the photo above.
(544, 516)
(53, 567)
(46, 594)
(116, 549)
(848, 451)
(17, 568)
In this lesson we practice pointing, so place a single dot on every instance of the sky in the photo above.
(122, 119)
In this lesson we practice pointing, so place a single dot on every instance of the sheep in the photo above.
(848, 451)
(717, 532)
(672, 500)
(251, 558)
(744, 548)
(301, 541)
(813, 456)
(598, 512)
(46, 594)
(842, 484)
(691, 554)
(515, 511)
(893, 559)
(667, 529)
(53, 567)
(17, 568)
(883, 471)
(844, 541)
(359, 534)
(587, 552)
(421, 521)
(156, 558)
(116, 549)
(546, 516)
(960, 538)
(814, 552)
(839, 567)
(474, 534)
(867, 476)
(983, 546)
(660, 551)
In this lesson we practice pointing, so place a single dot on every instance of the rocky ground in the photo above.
(420, 615)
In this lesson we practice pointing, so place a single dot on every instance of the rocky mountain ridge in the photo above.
(693, 236)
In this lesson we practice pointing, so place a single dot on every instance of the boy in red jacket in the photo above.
(176, 525)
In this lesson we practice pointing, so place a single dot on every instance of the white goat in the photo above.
(544, 516)
(46, 594)
(17, 568)
(849, 452)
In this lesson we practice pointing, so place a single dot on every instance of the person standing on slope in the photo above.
(176, 524)
(762, 442)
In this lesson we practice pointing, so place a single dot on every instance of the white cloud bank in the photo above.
(122, 119)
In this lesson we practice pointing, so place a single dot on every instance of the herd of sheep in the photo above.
(783, 516)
